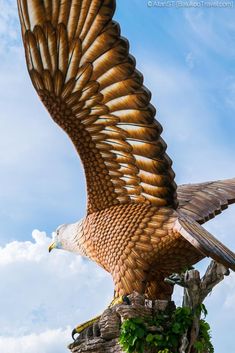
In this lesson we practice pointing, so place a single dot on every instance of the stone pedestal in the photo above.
(103, 335)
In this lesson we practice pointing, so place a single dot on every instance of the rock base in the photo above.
(103, 336)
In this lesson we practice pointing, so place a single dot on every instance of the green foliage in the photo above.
(136, 338)
(203, 344)
(133, 335)
(201, 309)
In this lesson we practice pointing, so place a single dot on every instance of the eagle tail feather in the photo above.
(205, 242)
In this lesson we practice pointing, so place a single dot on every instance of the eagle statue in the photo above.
(139, 226)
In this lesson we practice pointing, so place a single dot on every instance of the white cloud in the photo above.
(42, 293)
(50, 341)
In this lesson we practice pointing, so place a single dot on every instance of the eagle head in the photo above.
(68, 237)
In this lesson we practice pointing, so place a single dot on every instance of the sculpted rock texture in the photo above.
(139, 226)
(103, 335)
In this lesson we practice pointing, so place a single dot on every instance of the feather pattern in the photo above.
(205, 242)
(81, 69)
(206, 200)
(85, 76)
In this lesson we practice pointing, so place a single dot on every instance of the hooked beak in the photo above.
(52, 246)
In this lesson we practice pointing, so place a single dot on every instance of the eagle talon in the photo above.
(126, 300)
(80, 328)
(174, 279)
(123, 299)
(74, 332)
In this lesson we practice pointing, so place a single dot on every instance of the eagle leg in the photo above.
(85, 325)
(158, 289)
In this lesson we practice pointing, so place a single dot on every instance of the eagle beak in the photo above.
(52, 246)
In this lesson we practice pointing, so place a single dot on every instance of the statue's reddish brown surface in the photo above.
(139, 226)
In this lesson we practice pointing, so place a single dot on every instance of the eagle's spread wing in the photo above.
(81, 68)
(204, 201)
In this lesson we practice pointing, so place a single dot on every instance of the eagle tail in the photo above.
(205, 242)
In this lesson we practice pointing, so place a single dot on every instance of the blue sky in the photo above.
(187, 57)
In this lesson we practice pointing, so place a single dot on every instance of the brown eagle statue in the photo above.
(139, 226)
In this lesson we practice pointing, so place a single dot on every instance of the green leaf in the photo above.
(204, 310)
(149, 338)
(158, 337)
(140, 332)
(198, 346)
(137, 320)
(176, 328)
(134, 340)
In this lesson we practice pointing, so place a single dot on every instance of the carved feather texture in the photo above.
(81, 68)
(83, 72)
(205, 242)
(206, 200)
(142, 246)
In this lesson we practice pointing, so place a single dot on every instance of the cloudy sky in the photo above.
(187, 56)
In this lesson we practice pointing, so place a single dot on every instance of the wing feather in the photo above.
(48, 9)
(43, 47)
(58, 82)
(82, 70)
(206, 200)
(62, 48)
(64, 11)
(55, 12)
(51, 39)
